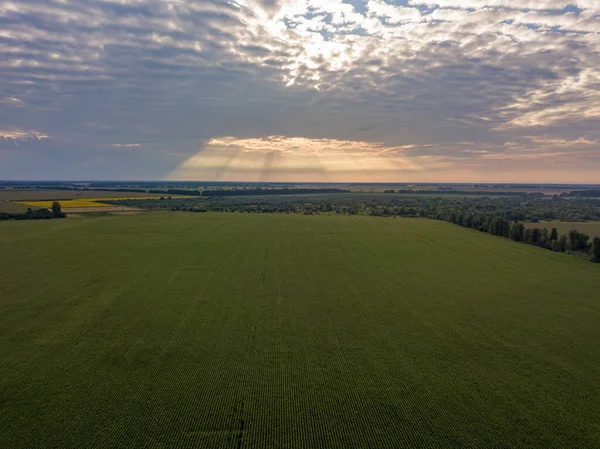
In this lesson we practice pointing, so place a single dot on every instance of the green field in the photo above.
(591, 228)
(12, 207)
(164, 330)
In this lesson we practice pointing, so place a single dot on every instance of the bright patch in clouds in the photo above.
(420, 89)
(284, 144)
(292, 159)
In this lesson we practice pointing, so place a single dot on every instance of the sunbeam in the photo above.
(279, 158)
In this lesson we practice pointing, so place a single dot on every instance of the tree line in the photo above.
(589, 193)
(260, 191)
(541, 237)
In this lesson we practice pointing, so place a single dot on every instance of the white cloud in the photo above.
(572, 98)
(19, 134)
(392, 13)
(326, 45)
(13, 101)
(521, 4)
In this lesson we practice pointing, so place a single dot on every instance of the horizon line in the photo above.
(295, 182)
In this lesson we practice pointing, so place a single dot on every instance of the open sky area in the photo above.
(266, 90)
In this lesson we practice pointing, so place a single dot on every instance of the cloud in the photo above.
(12, 101)
(19, 134)
(416, 78)
(570, 99)
(547, 141)
(126, 145)
(523, 4)
(304, 145)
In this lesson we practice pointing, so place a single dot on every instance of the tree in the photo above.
(545, 240)
(553, 234)
(536, 236)
(584, 244)
(498, 227)
(517, 232)
(527, 236)
(469, 221)
(595, 252)
(44, 214)
(505, 228)
(578, 241)
(562, 243)
(573, 239)
(57, 210)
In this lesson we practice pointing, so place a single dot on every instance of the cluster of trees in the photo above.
(541, 237)
(35, 214)
(449, 208)
(447, 190)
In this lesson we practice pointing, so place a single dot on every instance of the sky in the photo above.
(314, 90)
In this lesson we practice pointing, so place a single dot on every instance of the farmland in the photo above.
(18, 200)
(252, 330)
(12, 207)
(52, 195)
(84, 202)
(591, 228)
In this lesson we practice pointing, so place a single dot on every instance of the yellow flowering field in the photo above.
(82, 202)
(65, 203)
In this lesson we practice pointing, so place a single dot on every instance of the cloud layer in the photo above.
(426, 89)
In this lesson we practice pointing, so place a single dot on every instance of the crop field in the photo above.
(52, 195)
(591, 228)
(12, 207)
(164, 330)
(85, 202)
(18, 200)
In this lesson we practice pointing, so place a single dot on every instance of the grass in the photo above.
(234, 330)
(591, 228)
